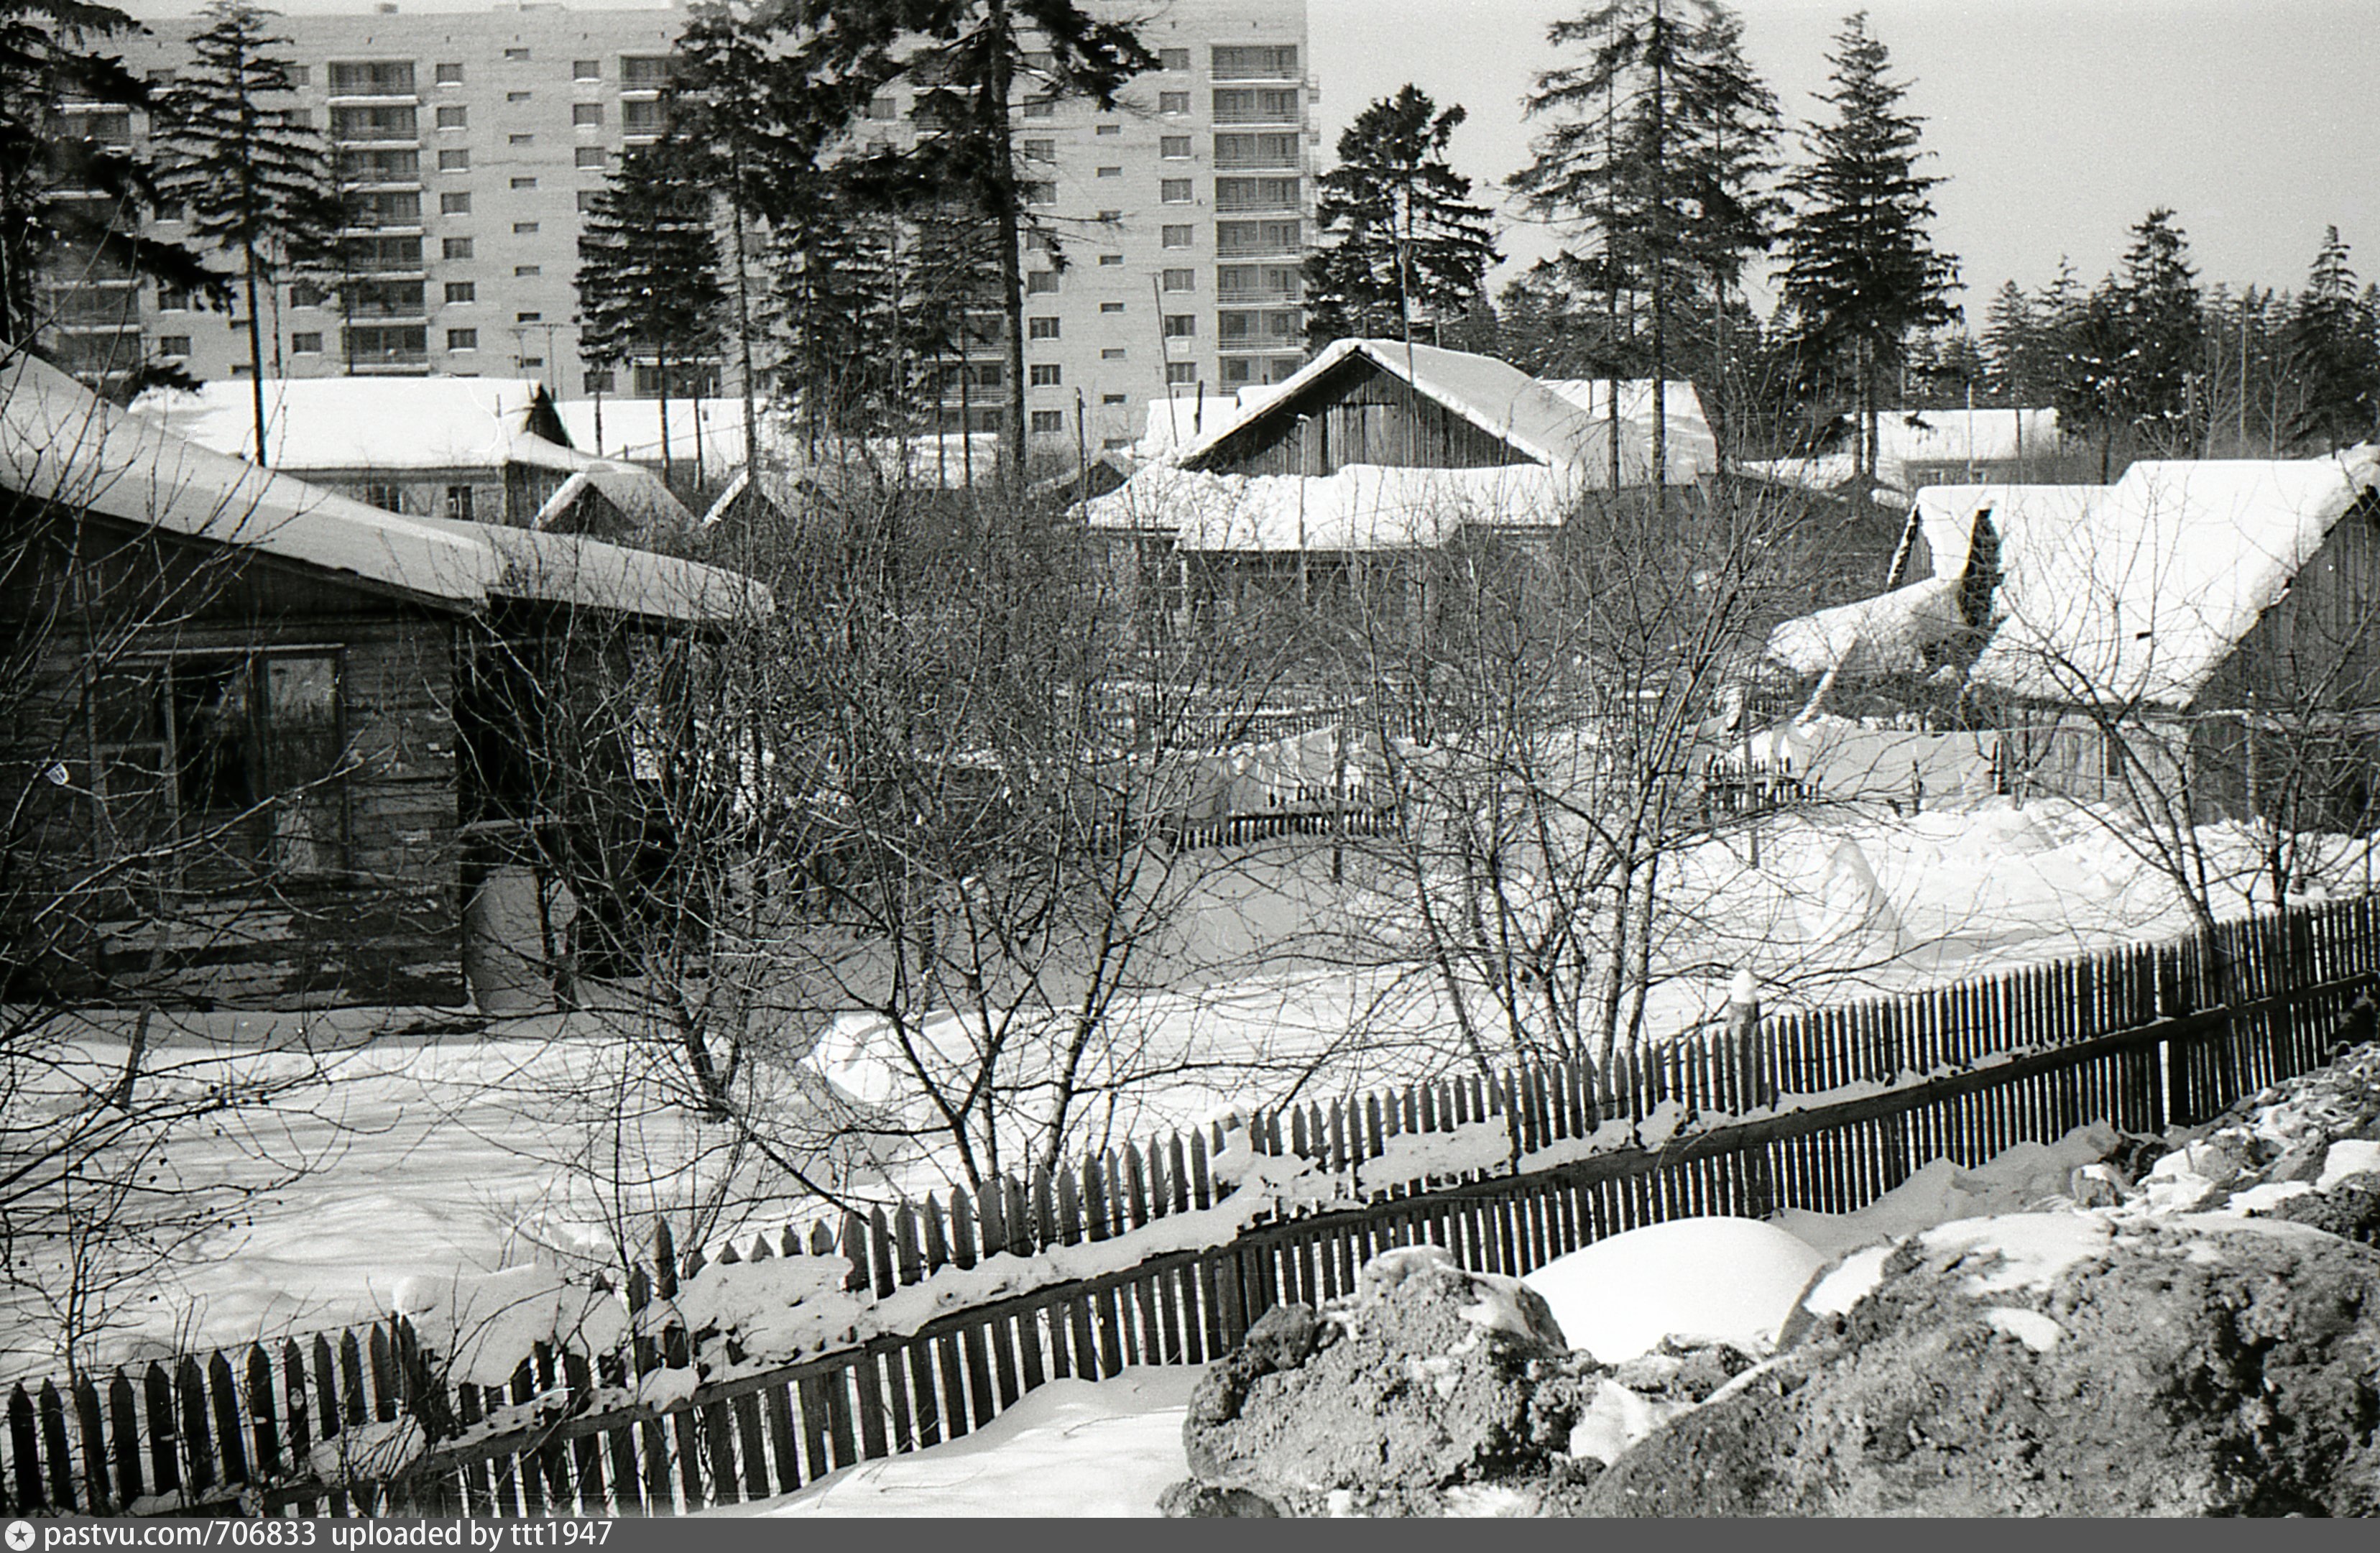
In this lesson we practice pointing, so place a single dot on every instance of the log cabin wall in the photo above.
(1357, 414)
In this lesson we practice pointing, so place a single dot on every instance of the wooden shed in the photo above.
(245, 704)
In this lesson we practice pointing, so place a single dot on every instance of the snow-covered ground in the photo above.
(407, 1154)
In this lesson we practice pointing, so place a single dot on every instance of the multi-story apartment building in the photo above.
(471, 143)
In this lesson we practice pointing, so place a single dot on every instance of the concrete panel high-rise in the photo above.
(471, 142)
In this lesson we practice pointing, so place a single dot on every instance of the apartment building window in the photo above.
(1181, 280)
(172, 299)
(305, 343)
(524, 229)
(1174, 192)
(306, 294)
(1110, 307)
(1040, 242)
(1258, 282)
(1107, 130)
(591, 157)
(458, 161)
(1041, 60)
(389, 343)
(299, 75)
(883, 107)
(516, 55)
(1042, 283)
(458, 292)
(458, 504)
(1234, 239)
(462, 339)
(1112, 353)
(1044, 374)
(453, 115)
(644, 72)
(528, 318)
(450, 75)
(1258, 149)
(524, 183)
(1110, 218)
(1040, 150)
(1254, 62)
(1173, 59)
(454, 203)
(523, 271)
(1040, 192)
(601, 381)
(380, 123)
(1174, 148)
(516, 96)
(454, 247)
(520, 140)
(586, 201)
(1111, 259)
(1180, 371)
(1181, 326)
(172, 345)
(386, 166)
(1173, 102)
(1243, 105)
(1041, 328)
(1111, 172)
(371, 77)
(1178, 236)
(1040, 107)
(1115, 398)
(586, 69)
(1044, 422)
(641, 117)
(1256, 194)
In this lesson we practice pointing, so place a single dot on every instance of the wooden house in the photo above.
(479, 450)
(262, 719)
(2201, 628)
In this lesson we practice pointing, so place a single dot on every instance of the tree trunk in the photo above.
(744, 332)
(255, 356)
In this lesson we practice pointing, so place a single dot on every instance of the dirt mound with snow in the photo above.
(2054, 1363)
(1433, 1391)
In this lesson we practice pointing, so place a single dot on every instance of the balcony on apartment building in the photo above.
(393, 300)
(372, 81)
(397, 123)
(371, 171)
(384, 257)
(383, 213)
(391, 348)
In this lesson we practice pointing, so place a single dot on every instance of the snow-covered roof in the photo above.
(1945, 515)
(1925, 438)
(1184, 421)
(59, 441)
(1361, 507)
(1692, 446)
(318, 424)
(632, 429)
(1886, 634)
(1496, 396)
(2143, 593)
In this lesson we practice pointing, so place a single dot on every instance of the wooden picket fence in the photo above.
(2144, 1037)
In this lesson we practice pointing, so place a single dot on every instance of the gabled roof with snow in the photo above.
(2141, 593)
(1692, 446)
(1183, 420)
(60, 443)
(1886, 633)
(320, 424)
(1361, 507)
(1496, 396)
(1945, 515)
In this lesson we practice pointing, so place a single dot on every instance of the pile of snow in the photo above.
(2017, 1179)
(1734, 1280)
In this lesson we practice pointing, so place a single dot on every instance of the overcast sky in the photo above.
(2058, 123)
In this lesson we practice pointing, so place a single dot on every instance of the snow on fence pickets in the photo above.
(708, 1377)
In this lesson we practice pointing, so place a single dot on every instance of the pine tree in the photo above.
(255, 180)
(1861, 271)
(649, 273)
(2011, 329)
(1660, 159)
(2333, 342)
(73, 199)
(972, 61)
(1401, 237)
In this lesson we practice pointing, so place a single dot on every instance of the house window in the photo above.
(1178, 237)
(453, 115)
(586, 69)
(1047, 421)
(1044, 374)
(1041, 328)
(455, 247)
(456, 202)
(585, 113)
(458, 502)
(524, 183)
(1181, 326)
(450, 75)
(1173, 59)
(1042, 283)
(590, 156)
(1180, 371)
(462, 339)
(1172, 102)
(1181, 280)
(462, 291)
(307, 343)
(1174, 192)
(176, 344)
(456, 161)
(1173, 148)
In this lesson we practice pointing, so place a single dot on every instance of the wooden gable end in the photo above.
(2317, 648)
(1356, 413)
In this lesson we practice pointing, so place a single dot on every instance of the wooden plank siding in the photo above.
(1355, 413)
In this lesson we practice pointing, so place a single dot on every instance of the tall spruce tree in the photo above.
(254, 177)
(74, 192)
(1401, 240)
(2130, 370)
(973, 63)
(1660, 161)
(2334, 348)
(648, 274)
(1860, 272)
